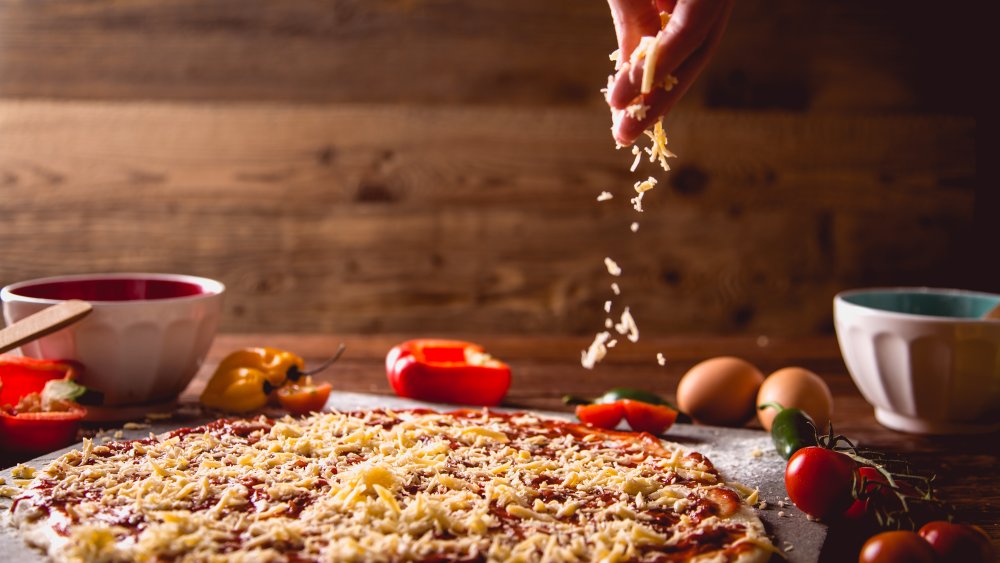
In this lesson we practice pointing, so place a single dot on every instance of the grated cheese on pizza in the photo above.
(387, 486)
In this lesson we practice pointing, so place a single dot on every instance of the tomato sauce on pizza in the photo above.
(387, 485)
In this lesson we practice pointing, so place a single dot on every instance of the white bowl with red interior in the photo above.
(145, 340)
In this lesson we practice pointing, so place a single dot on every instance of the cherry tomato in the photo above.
(957, 542)
(896, 547)
(605, 415)
(874, 487)
(304, 399)
(867, 478)
(646, 417)
(819, 481)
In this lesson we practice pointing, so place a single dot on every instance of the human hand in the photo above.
(682, 50)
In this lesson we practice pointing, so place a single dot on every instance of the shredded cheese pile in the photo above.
(380, 486)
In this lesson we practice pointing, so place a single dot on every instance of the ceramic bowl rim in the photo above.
(210, 288)
(840, 300)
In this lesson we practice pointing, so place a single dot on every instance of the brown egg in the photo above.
(799, 388)
(720, 391)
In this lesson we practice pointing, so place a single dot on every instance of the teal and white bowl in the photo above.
(923, 357)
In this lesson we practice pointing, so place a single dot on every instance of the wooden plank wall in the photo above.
(431, 166)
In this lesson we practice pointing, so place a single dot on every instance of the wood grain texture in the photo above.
(389, 218)
(778, 54)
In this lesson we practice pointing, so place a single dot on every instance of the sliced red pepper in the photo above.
(20, 376)
(39, 432)
(447, 371)
(644, 417)
(35, 432)
(304, 398)
(601, 415)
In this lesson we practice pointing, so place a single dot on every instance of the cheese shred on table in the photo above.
(384, 486)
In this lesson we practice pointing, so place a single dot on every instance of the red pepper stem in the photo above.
(294, 374)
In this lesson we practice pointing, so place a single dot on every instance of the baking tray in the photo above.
(741, 455)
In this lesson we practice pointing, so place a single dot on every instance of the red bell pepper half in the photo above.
(20, 376)
(447, 371)
(35, 432)
(39, 432)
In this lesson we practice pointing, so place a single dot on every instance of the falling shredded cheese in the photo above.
(596, 351)
(641, 187)
(627, 327)
(637, 201)
(657, 149)
(638, 158)
(612, 267)
(645, 185)
(645, 53)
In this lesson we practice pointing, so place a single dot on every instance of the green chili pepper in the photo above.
(618, 393)
(791, 430)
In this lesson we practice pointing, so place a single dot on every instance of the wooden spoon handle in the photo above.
(43, 322)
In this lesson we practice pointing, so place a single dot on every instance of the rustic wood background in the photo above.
(430, 166)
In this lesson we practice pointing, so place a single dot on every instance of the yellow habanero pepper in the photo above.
(245, 379)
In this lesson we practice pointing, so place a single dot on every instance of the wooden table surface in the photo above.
(546, 368)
